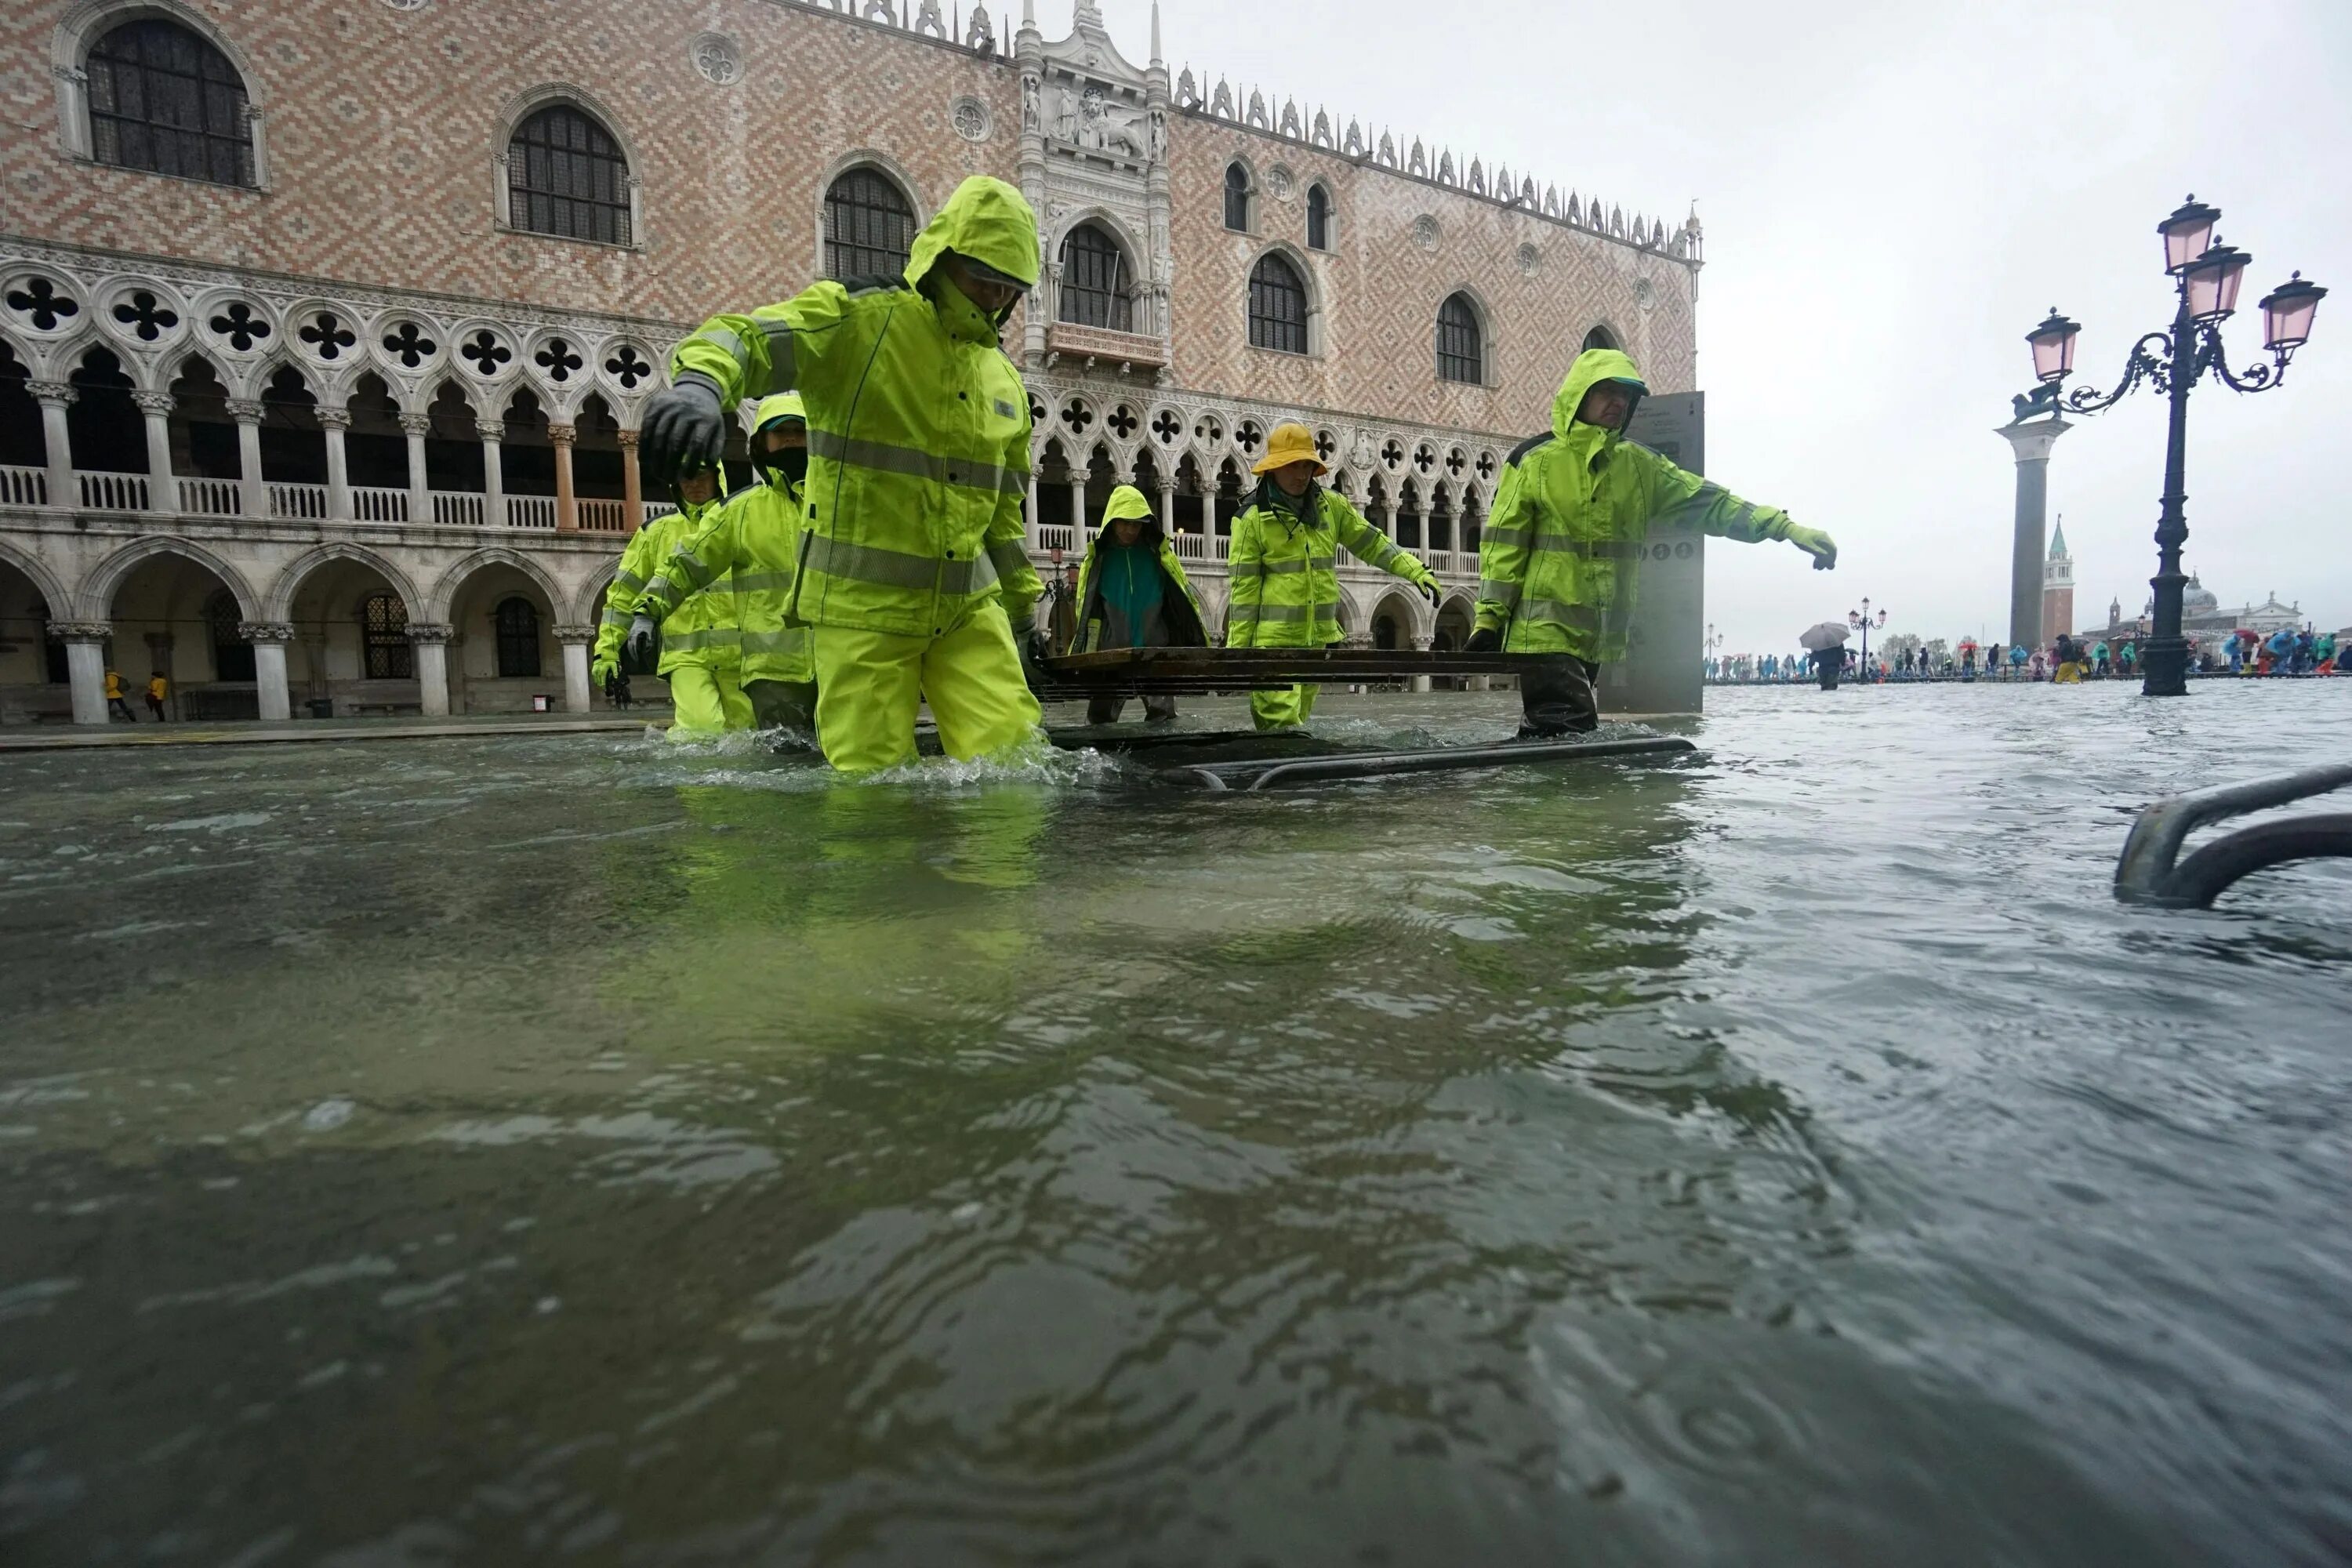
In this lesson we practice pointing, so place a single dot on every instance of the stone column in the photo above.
(432, 644)
(334, 422)
(55, 397)
(1420, 645)
(253, 494)
(420, 498)
(1078, 514)
(162, 490)
(1029, 510)
(270, 639)
(567, 505)
(85, 666)
(633, 485)
(494, 474)
(1168, 513)
(576, 690)
(2030, 440)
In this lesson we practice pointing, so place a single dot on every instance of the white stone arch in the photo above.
(278, 604)
(882, 163)
(1607, 329)
(84, 24)
(1484, 311)
(1412, 611)
(1130, 250)
(104, 580)
(437, 604)
(584, 613)
(45, 582)
(1310, 279)
(529, 102)
(1257, 193)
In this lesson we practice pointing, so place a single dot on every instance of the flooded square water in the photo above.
(492, 1150)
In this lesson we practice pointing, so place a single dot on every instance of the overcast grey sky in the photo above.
(1893, 195)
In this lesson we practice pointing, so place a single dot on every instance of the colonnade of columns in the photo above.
(86, 666)
(253, 500)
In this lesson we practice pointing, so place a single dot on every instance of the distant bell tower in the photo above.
(2058, 585)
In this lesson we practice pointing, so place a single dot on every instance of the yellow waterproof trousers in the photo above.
(869, 685)
(705, 702)
(1282, 709)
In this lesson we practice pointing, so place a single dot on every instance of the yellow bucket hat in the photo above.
(1290, 443)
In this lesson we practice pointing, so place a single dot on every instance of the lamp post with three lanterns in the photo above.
(2206, 275)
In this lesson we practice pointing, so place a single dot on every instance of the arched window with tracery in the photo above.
(566, 176)
(516, 622)
(1278, 306)
(1318, 218)
(869, 227)
(1237, 197)
(1095, 282)
(383, 634)
(232, 655)
(1600, 338)
(164, 99)
(1461, 343)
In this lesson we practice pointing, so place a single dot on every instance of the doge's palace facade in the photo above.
(325, 326)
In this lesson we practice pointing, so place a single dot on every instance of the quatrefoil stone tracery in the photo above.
(409, 345)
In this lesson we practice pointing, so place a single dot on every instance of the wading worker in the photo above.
(1132, 593)
(751, 540)
(1284, 560)
(699, 657)
(1558, 559)
(913, 571)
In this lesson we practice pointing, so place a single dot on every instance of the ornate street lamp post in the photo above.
(2206, 275)
(1860, 620)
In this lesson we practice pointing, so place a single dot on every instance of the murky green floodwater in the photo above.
(486, 1150)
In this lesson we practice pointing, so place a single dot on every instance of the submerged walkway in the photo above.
(62, 738)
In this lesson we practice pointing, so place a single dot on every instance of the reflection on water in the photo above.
(474, 1149)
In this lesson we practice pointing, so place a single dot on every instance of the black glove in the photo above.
(642, 642)
(1484, 640)
(683, 428)
(1432, 592)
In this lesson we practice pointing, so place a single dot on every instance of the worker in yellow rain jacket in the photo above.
(1560, 556)
(913, 574)
(1284, 559)
(1132, 593)
(700, 658)
(752, 540)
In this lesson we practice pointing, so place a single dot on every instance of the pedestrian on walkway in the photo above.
(159, 686)
(115, 701)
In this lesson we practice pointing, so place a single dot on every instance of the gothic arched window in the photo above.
(1318, 218)
(1237, 197)
(869, 227)
(232, 655)
(1094, 281)
(517, 623)
(1278, 306)
(383, 633)
(1600, 338)
(1461, 346)
(164, 99)
(566, 176)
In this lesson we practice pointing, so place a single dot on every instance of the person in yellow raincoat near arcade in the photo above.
(700, 658)
(1284, 559)
(1132, 593)
(913, 571)
(752, 541)
(1559, 558)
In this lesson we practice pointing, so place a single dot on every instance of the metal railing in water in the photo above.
(2151, 872)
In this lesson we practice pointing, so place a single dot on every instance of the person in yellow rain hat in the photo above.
(1284, 558)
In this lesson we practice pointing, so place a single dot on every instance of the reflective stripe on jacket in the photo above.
(1560, 559)
(1286, 580)
(702, 634)
(751, 542)
(918, 429)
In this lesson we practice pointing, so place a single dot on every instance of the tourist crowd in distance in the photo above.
(2290, 652)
